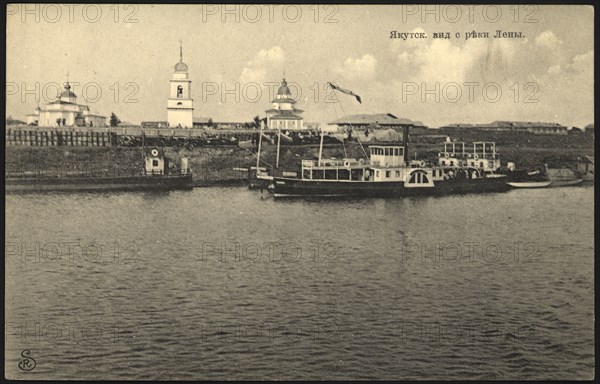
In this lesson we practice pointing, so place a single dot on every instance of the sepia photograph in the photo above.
(322, 192)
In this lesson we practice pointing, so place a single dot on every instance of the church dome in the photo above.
(67, 92)
(181, 67)
(283, 89)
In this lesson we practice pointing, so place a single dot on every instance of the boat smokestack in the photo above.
(405, 142)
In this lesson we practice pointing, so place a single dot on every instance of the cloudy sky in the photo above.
(121, 58)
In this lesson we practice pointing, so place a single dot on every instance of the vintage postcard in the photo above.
(299, 192)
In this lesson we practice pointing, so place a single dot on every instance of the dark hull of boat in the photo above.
(288, 187)
(78, 184)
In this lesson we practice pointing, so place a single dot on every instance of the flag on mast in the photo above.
(346, 91)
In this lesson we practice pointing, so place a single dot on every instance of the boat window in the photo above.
(376, 173)
(397, 173)
(306, 174)
(443, 162)
(356, 174)
(451, 163)
(481, 164)
(344, 174)
(388, 174)
(330, 174)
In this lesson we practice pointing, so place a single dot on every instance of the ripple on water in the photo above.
(372, 309)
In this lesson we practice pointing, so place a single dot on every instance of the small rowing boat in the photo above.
(529, 184)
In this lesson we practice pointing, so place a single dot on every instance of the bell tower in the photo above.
(180, 106)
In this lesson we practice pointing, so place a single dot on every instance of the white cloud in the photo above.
(583, 63)
(362, 68)
(264, 62)
(554, 69)
(548, 39)
(441, 60)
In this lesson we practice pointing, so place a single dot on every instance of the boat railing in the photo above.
(470, 155)
(329, 164)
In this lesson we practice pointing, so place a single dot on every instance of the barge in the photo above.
(155, 176)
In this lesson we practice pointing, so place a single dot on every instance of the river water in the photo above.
(227, 283)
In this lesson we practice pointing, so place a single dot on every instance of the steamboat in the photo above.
(389, 172)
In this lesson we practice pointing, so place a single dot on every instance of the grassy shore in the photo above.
(217, 164)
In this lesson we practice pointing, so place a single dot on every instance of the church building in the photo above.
(283, 114)
(65, 111)
(180, 106)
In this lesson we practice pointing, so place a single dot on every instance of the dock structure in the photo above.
(127, 136)
(50, 137)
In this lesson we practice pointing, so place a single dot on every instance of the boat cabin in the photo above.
(389, 163)
(387, 155)
(155, 162)
(334, 169)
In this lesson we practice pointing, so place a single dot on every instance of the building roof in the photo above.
(382, 119)
(285, 115)
(284, 100)
(63, 102)
(506, 124)
(524, 124)
(283, 89)
(379, 135)
(67, 92)
(181, 67)
(273, 110)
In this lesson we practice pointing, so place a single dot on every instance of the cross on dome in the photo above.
(181, 66)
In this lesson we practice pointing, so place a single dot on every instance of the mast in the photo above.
(143, 150)
(321, 147)
(259, 146)
(405, 144)
(278, 145)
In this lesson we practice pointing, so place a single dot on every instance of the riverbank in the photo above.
(214, 165)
